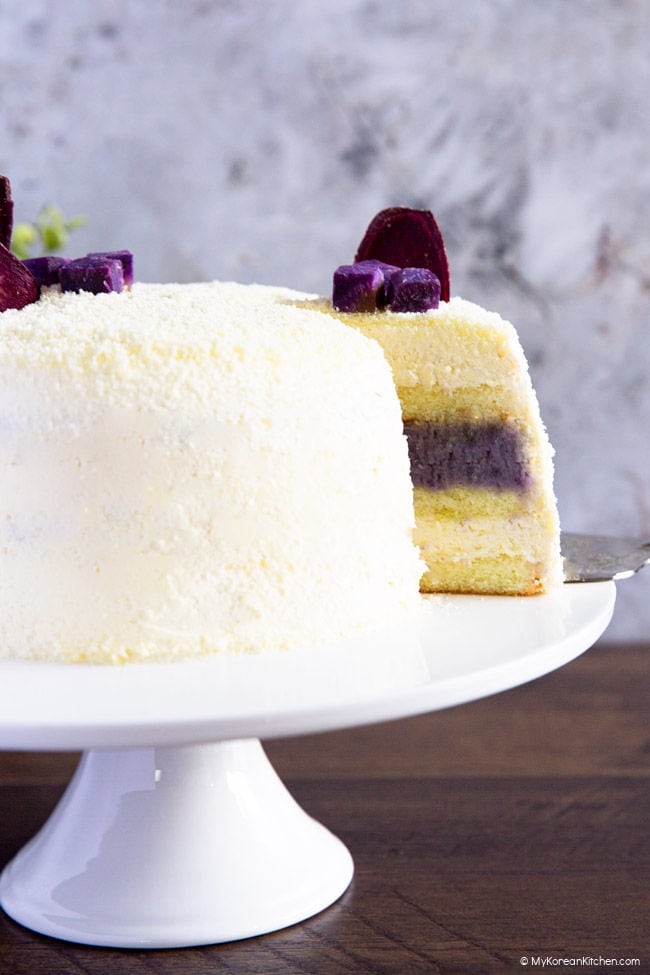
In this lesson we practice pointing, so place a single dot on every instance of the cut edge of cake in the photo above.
(481, 460)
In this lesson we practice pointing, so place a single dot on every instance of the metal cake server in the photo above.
(595, 558)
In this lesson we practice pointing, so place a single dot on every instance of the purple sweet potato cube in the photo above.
(46, 269)
(357, 287)
(96, 274)
(414, 289)
(125, 258)
(387, 271)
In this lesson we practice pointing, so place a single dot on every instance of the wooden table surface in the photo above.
(511, 828)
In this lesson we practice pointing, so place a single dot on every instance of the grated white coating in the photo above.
(195, 469)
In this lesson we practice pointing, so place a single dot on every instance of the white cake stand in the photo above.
(175, 830)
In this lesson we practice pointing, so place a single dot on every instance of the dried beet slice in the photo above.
(407, 238)
(6, 212)
(18, 286)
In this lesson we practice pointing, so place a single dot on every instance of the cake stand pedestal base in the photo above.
(167, 847)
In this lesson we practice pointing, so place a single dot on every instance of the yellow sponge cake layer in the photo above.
(502, 575)
(444, 358)
(470, 403)
(477, 540)
(459, 503)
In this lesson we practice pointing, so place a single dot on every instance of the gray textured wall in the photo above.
(254, 140)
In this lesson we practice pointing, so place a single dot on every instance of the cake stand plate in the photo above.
(175, 830)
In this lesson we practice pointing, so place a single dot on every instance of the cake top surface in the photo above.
(148, 320)
(220, 322)
(184, 346)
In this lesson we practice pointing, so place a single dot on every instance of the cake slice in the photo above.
(481, 461)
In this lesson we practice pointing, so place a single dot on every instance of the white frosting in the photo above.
(196, 469)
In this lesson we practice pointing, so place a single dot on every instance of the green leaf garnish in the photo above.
(50, 232)
(23, 238)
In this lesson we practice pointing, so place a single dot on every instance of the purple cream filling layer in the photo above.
(486, 454)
